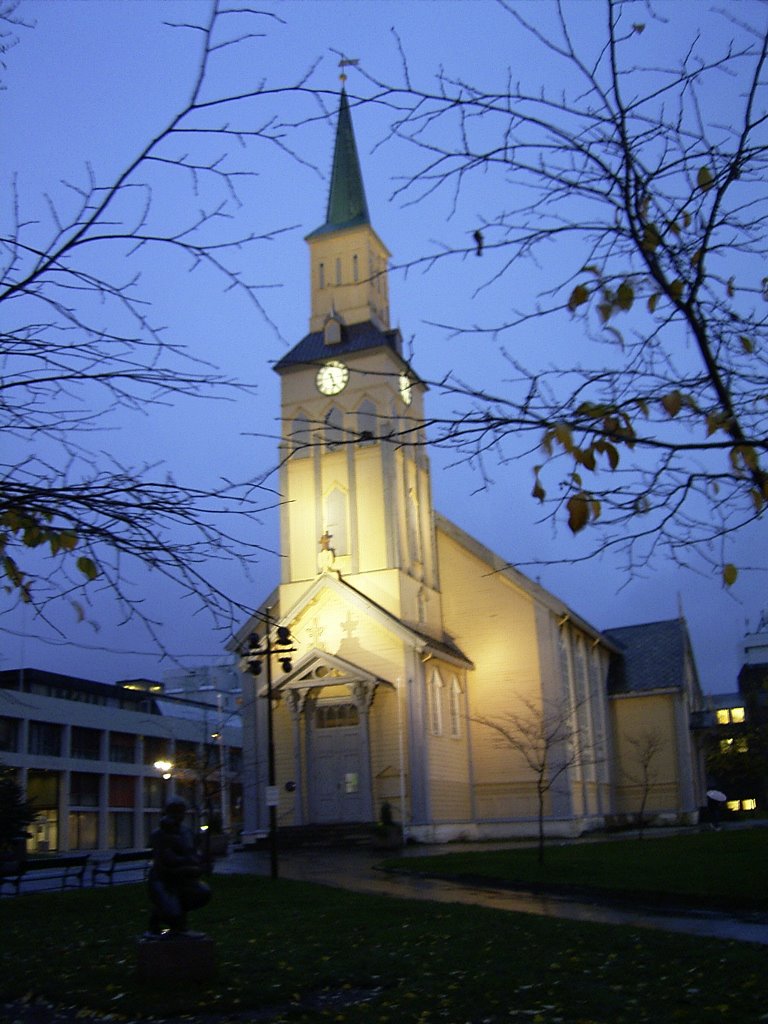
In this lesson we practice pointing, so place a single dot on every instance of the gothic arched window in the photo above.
(367, 426)
(436, 703)
(334, 428)
(301, 437)
(454, 696)
(336, 520)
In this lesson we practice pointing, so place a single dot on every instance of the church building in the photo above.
(414, 646)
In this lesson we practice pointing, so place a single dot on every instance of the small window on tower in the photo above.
(321, 275)
(355, 269)
(332, 334)
(338, 271)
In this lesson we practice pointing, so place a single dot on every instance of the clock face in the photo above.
(405, 388)
(332, 377)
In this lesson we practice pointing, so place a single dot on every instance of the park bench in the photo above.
(121, 860)
(69, 870)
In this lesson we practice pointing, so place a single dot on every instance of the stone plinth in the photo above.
(179, 959)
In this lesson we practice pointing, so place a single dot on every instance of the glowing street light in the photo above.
(165, 768)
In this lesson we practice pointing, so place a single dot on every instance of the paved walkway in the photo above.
(355, 869)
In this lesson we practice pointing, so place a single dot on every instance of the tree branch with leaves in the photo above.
(81, 345)
(633, 197)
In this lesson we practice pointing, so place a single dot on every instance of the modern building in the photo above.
(415, 645)
(735, 727)
(98, 761)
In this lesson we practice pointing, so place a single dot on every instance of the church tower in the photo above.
(355, 477)
(392, 660)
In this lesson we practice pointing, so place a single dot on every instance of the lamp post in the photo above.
(165, 768)
(260, 651)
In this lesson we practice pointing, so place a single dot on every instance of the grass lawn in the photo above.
(292, 951)
(710, 869)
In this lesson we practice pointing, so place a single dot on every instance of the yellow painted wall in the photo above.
(356, 302)
(495, 623)
(634, 716)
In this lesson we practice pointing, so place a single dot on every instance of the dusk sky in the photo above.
(92, 80)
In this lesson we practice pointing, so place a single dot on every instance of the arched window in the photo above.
(321, 275)
(355, 269)
(334, 428)
(367, 426)
(301, 437)
(336, 520)
(338, 270)
(436, 703)
(414, 533)
(421, 606)
(455, 707)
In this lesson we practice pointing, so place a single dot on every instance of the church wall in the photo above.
(447, 747)
(636, 716)
(302, 546)
(372, 527)
(495, 623)
(348, 277)
(389, 753)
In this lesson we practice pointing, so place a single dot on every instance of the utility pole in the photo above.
(257, 652)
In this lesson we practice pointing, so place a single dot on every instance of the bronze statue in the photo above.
(175, 885)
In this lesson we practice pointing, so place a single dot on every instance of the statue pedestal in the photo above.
(179, 959)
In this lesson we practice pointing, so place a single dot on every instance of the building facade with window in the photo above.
(85, 756)
(407, 631)
(736, 731)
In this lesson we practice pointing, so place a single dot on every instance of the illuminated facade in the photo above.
(406, 629)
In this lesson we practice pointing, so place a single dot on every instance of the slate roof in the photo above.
(652, 657)
(354, 338)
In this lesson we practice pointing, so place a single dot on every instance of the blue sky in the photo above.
(95, 78)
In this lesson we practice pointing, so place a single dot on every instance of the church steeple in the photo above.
(347, 206)
(348, 259)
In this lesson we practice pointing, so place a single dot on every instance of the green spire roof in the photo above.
(346, 200)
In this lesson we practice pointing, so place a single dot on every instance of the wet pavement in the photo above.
(356, 870)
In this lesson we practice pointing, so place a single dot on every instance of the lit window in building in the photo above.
(726, 716)
(749, 805)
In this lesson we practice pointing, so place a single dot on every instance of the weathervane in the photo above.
(346, 62)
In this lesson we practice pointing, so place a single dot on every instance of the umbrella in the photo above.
(716, 794)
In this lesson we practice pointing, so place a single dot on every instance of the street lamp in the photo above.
(165, 768)
(260, 651)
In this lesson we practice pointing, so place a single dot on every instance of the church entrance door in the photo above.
(335, 779)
